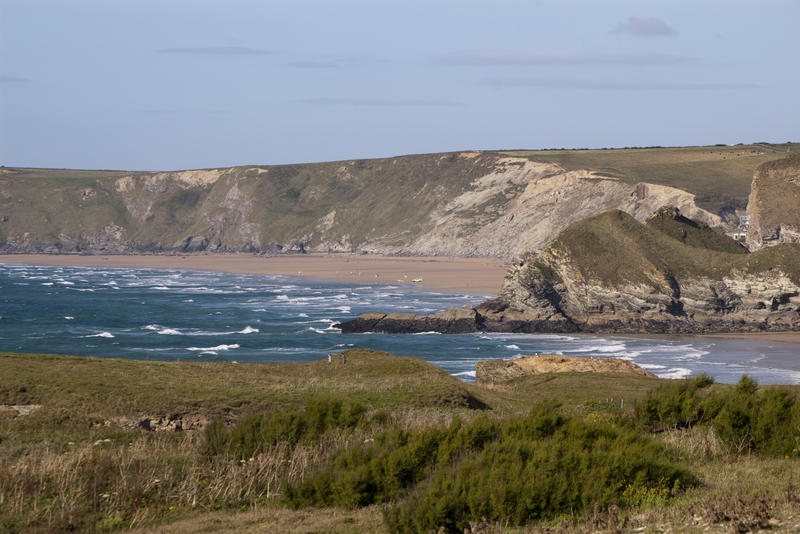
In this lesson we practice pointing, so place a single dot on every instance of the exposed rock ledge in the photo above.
(613, 274)
(492, 371)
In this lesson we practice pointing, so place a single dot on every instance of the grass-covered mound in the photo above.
(613, 249)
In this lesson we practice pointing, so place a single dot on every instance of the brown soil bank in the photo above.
(492, 371)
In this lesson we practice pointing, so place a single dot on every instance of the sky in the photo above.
(179, 84)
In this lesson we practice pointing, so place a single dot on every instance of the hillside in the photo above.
(611, 273)
(774, 205)
(496, 204)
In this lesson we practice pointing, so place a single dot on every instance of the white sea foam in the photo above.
(318, 330)
(161, 288)
(170, 332)
(282, 297)
(47, 283)
(465, 373)
(218, 347)
(260, 310)
(300, 314)
(69, 317)
(66, 283)
(248, 330)
(431, 332)
(605, 349)
(675, 372)
(652, 366)
(344, 309)
(512, 347)
(101, 334)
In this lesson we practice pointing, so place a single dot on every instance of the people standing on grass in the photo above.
(330, 358)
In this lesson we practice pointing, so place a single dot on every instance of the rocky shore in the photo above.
(613, 274)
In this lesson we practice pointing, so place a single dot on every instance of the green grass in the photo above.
(78, 464)
(613, 248)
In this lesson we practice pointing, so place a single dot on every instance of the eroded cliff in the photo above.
(461, 204)
(610, 273)
(774, 204)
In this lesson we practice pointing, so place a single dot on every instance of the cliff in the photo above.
(774, 204)
(610, 273)
(497, 204)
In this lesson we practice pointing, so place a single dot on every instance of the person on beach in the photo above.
(344, 358)
(330, 358)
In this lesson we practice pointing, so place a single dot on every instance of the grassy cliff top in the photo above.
(613, 248)
(777, 192)
(719, 175)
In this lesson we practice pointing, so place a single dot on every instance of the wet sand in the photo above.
(480, 276)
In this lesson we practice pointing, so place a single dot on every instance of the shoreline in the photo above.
(477, 276)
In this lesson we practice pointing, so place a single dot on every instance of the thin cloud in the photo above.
(598, 84)
(381, 102)
(12, 79)
(311, 65)
(644, 28)
(499, 59)
(172, 111)
(217, 51)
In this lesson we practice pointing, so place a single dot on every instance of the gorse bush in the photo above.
(747, 418)
(256, 432)
(511, 470)
(674, 405)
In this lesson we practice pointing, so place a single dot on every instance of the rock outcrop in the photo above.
(498, 370)
(774, 204)
(610, 273)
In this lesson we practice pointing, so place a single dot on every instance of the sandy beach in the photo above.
(481, 276)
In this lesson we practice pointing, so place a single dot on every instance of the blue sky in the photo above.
(173, 84)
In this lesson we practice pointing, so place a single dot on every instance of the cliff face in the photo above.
(611, 273)
(460, 204)
(774, 204)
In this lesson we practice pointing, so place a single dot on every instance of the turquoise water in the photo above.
(210, 316)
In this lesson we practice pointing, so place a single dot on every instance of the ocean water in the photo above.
(210, 316)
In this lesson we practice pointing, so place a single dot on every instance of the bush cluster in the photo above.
(255, 432)
(511, 470)
(747, 418)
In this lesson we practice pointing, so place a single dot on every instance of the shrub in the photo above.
(676, 404)
(511, 470)
(746, 418)
(255, 432)
(521, 478)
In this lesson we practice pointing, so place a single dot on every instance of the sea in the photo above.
(156, 314)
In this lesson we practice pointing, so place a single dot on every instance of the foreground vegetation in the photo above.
(385, 444)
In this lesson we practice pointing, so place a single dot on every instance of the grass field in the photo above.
(84, 459)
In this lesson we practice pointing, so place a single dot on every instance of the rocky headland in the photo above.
(611, 273)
